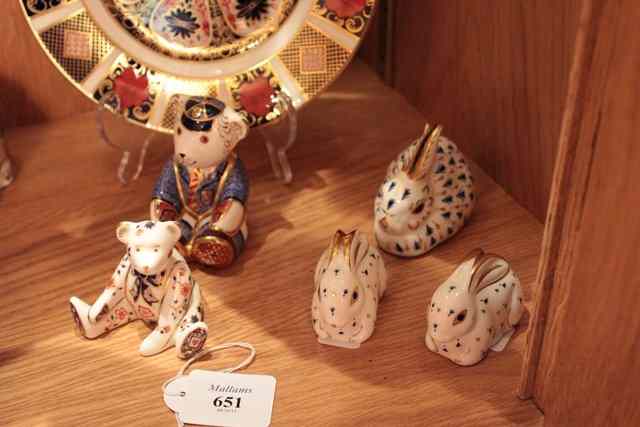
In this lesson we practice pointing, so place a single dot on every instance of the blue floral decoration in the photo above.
(182, 23)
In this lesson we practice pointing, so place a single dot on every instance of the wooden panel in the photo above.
(372, 50)
(495, 74)
(32, 90)
(589, 371)
(58, 240)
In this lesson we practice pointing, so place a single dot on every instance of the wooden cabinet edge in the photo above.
(569, 184)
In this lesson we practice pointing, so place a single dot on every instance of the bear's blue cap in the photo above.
(199, 113)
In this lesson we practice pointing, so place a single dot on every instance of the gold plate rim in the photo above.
(293, 80)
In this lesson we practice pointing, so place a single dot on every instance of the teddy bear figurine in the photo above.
(153, 283)
(204, 188)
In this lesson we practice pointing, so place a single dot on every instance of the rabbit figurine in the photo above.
(153, 283)
(350, 279)
(474, 310)
(425, 198)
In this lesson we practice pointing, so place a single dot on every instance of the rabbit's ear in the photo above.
(358, 250)
(473, 255)
(487, 270)
(420, 163)
(337, 246)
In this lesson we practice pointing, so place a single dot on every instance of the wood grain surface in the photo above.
(58, 239)
(589, 370)
(495, 74)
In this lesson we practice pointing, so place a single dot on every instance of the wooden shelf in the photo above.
(58, 239)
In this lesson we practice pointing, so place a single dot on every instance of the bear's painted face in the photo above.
(210, 147)
(149, 243)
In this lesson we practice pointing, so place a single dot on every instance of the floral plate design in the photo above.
(139, 56)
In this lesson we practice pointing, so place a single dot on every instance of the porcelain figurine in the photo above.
(205, 187)
(153, 283)
(475, 309)
(246, 17)
(350, 280)
(426, 197)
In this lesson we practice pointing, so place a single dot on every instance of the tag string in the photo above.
(246, 362)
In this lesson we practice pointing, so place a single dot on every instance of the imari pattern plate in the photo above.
(139, 56)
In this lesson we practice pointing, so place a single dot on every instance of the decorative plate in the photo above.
(148, 52)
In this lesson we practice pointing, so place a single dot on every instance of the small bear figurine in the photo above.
(153, 283)
(350, 279)
(426, 197)
(205, 187)
(474, 310)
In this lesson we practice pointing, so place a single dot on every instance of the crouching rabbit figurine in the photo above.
(153, 283)
(205, 187)
(426, 197)
(350, 280)
(475, 309)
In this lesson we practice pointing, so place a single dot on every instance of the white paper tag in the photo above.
(221, 399)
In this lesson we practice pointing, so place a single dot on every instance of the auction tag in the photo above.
(222, 399)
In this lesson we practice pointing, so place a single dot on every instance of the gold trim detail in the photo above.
(355, 24)
(335, 58)
(57, 37)
(342, 243)
(38, 7)
(199, 218)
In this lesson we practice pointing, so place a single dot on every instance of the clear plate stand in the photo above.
(276, 145)
(111, 100)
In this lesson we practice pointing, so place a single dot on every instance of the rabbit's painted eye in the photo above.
(418, 209)
(406, 194)
(390, 203)
(392, 185)
(460, 317)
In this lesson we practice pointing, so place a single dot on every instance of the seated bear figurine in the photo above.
(204, 187)
(153, 283)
